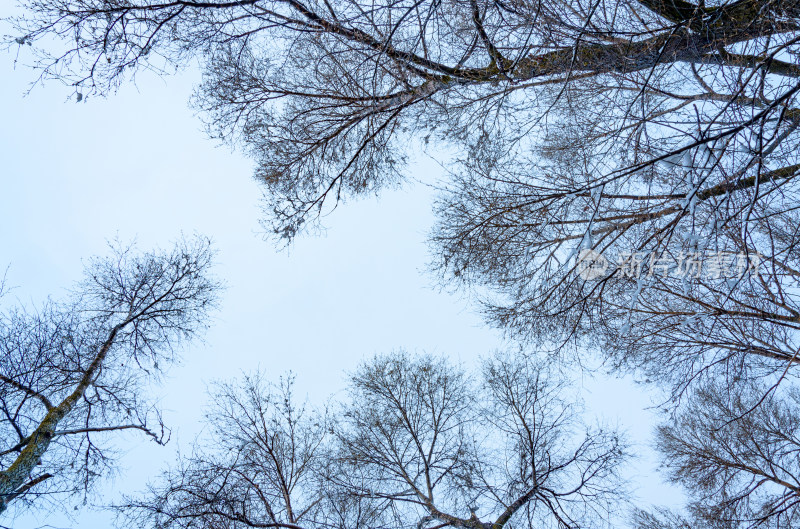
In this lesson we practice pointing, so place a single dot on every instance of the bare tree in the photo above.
(257, 468)
(325, 94)
(417, 443)
(661, 128)
(736, 450)
(74, 372)
(698, 243)
(654, 133)
(667, 128)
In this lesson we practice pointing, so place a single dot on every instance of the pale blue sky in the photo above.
(137, 165)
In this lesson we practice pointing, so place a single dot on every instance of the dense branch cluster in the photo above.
(325, 94)
(73, 372)
(417, 443)
(657, 137)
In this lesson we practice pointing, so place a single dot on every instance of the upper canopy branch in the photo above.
(700, 35)
(27, 390)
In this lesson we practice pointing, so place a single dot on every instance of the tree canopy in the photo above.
(663, 128)
(74, 372)
(411, 445)
(656, 137)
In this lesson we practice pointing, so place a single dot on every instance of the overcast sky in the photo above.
(137, 165)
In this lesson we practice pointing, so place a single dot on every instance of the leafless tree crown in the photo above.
(416, 443)
(74, 372)
(664, 131)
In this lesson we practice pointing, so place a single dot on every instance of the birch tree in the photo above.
(735, 448)
(658, 137)
(74, 372)
(660, 129)
(415, 443)
(326, 94)
(257, 466)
